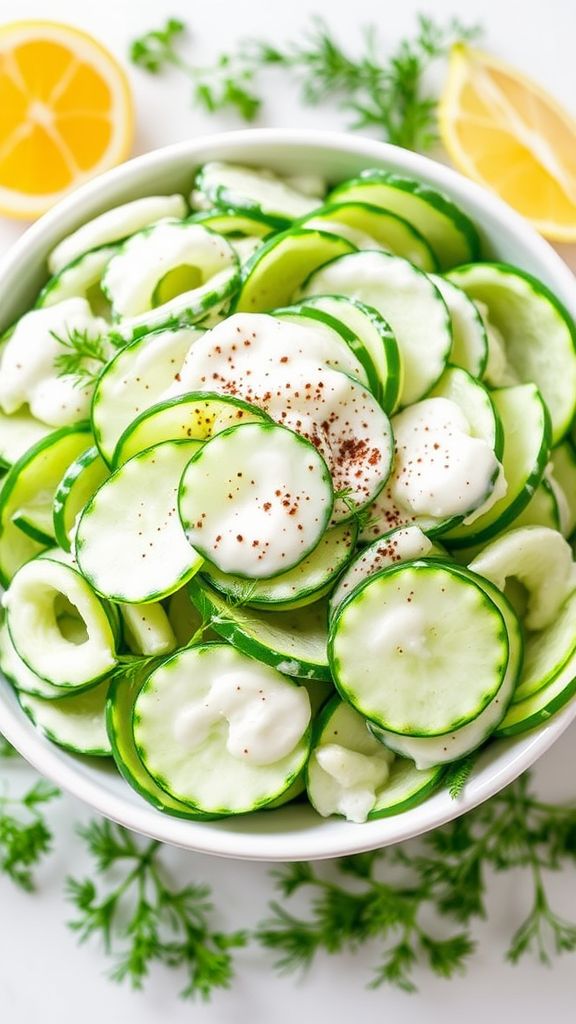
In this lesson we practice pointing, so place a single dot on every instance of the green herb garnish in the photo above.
(383, 91)
(83, 357)
(24, 833)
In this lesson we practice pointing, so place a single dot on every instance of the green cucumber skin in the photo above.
(33, 532)
(150, 792)
(69, 478)
(92, 752)
(247, 644)
(540, 717)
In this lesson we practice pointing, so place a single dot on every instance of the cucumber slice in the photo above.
(547, 651)
(563, 459)
(31, 478)
(449, 232)
(469, 338)
(185, 619)
(113, 226)
(80, 481)
(539, 335)
(77, 723)
(120, 702)
(195, 415)
(393, 233)
(81, 278)
(407, 300)
(58, 626)
(212, 705)
(400, 545)
(430, 751)
(277, 270)
(134, 380)
(377, 338)
(255, 500)
(542, 509)
(129, 543)
(294, 642)
(432, 629)
(147, 629)
(248, 191)
(446, 466)
(356, 360)
(35, 520)
(538, 558)
(227, 222)
(526, 428)
(310, 580)
(351, 774)
(18, 432)
(202, 265)
(18, 673)
(248, 353)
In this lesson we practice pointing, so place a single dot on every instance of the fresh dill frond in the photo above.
(457, 775)
(83, 355)
(24, 833)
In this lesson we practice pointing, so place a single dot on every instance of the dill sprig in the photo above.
(24, 833)
(142, 919)
(384, 91)
(83, 357)
(442, 877)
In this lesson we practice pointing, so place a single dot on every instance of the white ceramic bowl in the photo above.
(294, 832)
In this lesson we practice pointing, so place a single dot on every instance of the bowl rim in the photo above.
(323, 838)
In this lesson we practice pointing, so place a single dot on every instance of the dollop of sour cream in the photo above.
(440, 469)
(28, 371)
(266, 717)
(352, 780)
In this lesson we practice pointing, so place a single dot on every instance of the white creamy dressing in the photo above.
(255, 501)
(245, 247)
(132, 276)
(114, 225)
(273, 194)
(352, 780)
(266, 717)
(400, 546)
(334, 227)
(564, 512)
(440, 470)
(28, 374)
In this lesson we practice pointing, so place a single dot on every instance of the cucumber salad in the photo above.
(288, 493)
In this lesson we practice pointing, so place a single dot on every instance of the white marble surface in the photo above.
(43, 975)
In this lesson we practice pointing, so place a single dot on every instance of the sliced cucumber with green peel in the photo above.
(275, 473)
(227, 222)
(58, 625)
(18, 432)
(394, 233)
(294, 642)
(80, 481)
(77, 722)
(35, 520)
(400, 545)
(547, 651)
(134, 380)
(185, 619)
(119, 723)
(34, 476)
(526, 428)
(449, 232)
(351, 774)
(538, 558)
(361, 365)
(442, 640)
(431, 751)
(129, 543)
(81, 278)
(310, 580)
(212, 705)
(275, 273)
(469, 338)
(115, 225)
(253, 191)
(18, 673)
(195, 415)
(539, 334)
(407, 300)
(459, 386)
(563, 459)
(542, 509)
(376, 336)
(147, 629)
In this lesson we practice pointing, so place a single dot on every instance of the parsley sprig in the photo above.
(143, 920)
(383, 91)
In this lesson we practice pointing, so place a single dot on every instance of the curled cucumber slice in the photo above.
(76, 722)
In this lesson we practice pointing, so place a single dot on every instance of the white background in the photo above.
(43, 975)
